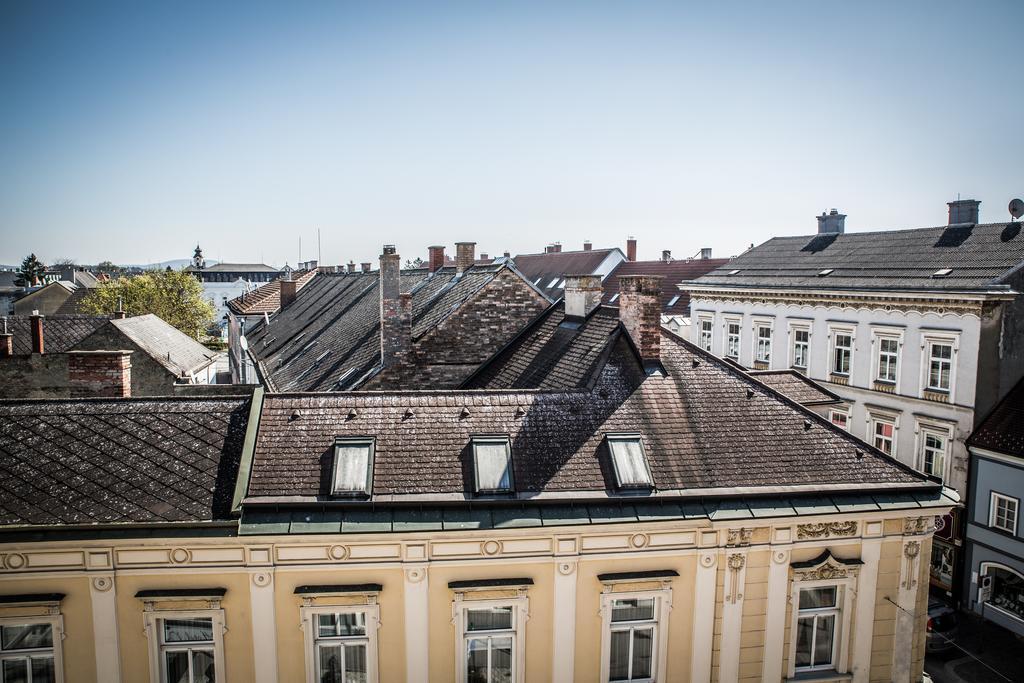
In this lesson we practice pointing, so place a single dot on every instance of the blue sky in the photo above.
(130, 133)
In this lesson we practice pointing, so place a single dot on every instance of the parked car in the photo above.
(943, 626)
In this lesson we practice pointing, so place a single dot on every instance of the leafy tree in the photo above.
(415, 263)
(31, 272)
(65, 262)
(175, 296)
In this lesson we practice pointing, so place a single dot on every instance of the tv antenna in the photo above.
(1016, 208)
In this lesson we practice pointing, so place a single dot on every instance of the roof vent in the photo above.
(351, 414)
(296, 414)
(750, 393)
(807, 425)
(464, 413)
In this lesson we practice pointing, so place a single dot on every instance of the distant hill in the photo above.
(175, 264)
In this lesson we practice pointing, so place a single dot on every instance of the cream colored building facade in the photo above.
(726, 598)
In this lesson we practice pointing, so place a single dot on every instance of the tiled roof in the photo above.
(332, 330)
(60, 332)
(237, 268)
(169, 346)
(547, 270)
(116, 461)
(796, 386)
(707, 428)
(673, 301)
(552, 353)
(266, 298)
(71, 305)
(978, 256)
(1003, 429)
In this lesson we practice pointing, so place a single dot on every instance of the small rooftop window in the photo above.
(492, 464)
(536, 282)
(629, 461)
(827, 271)
(673, 300)
(942, 272)
(614, 297)
(353, 466)
(733, 272)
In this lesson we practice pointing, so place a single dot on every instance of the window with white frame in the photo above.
(635, 637)
(353, 466)
(817, 628)
(934, 444)
(1003, 513)
(887, 358)
(492, 464)
(492, 640)
(763, 336)
(341, 643)
(801, 347)
(883, 434)
(187, 650)
(629, 461)
(842, 352)
(30, 649)
(940, 365)
(840, 418)
(706, 327)
(732, 339)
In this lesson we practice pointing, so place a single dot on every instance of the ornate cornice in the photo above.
(825, 530)
(919, 303)
(825, 567)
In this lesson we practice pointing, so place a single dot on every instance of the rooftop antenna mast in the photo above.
(319, 252)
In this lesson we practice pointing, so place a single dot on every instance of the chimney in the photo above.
(36, 325)
(582, 294)
(831, 223)
(666, 255)
(465, 255)
(100, 373)
(365, 266)
(556, 248)
(705, 253)
(631, 249)
(6, 342)
(435, 258)
(395, 311)
(289, 290)
(963, 211)
(587, 246)
(351, 266)
(640, 313)
(483, 256)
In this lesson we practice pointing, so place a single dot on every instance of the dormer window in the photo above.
(629, 461)
(492, 464)
(353, 466)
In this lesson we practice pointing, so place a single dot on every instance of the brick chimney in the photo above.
(556, 248)
(395, 311)
(587, 246)
(483, 257)
(640, 313)
(435, 257)
(289, 290)
(666, 256)
(365, 266)
(465, 255)
(582, 294)
(631, 249)
(100, 373)
(36, 325)
(963, 211)
(832, 222)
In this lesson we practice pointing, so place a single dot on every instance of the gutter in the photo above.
(248, 450)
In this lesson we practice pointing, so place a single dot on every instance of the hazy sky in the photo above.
(130, 133)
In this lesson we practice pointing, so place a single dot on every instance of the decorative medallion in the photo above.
(491, 547)
(823, 573)
(338, 552)
(780, 557)
(639, 540)
(261, 579)
(824, 567)
(825, 530)
(940, 523)
(415, 574)
(179, 555)
(15, 561)
(566, 568)
(102, 583)
(707, 560)
(736, 561)
(912, 549)
(739, 537)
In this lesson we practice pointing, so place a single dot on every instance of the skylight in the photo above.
(827, 271)
(732, 272)
(614, 297)
(492, 464)
(942, 272)
(673, 300)
(353, 466)
(629, 461)
(536, 283)
(555, 283)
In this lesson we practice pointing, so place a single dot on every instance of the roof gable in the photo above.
(167, 345)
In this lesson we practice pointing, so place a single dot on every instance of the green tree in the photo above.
(175, 296)
(31, 272)
(415, 263)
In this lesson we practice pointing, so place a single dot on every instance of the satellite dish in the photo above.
(1016, 208)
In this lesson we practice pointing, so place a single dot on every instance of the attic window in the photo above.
(614, 297)
(353, 466)
(732, 272)
(673, 300)
(492, 464)
(536, 282)
(942, 272)
(827, 271)
(554, 283)
(629, 461)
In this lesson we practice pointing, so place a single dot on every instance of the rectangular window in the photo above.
(341, 646)
(940, 365)
(888, 357)
(884, 435)
(705, 333)
(816, 628)
(840, 418)
(842, 353)
(353, 466)
(492, 464)
(732, 347)
(629, 461)
(764, 344)
(187, 650)
(489, 643)
(933, 452)
(801, 347)
(27, 653)
(632, 640)
(1003, 513)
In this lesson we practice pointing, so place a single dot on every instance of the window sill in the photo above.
(815, 676)
(936, 395)
(761, 365)
(839, 379)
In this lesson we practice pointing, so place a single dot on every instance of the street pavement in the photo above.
(988, 654)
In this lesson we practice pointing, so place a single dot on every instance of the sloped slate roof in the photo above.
(544, 270)
(60, 332)
(266, 298)
(1003, 429)
(979, 257)
(119, 461)
(236, 268)
(707, 428)
(71, 305)
(796, 386)
(674, 272)
(168, 345)
(331, 332)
